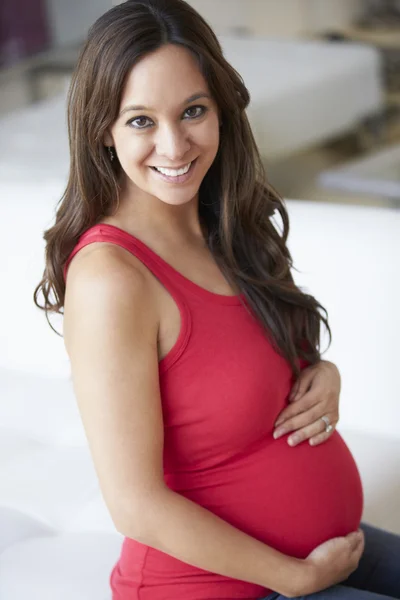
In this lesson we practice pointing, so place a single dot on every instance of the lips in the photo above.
(176, 179)
(190, 162)
(172, 168)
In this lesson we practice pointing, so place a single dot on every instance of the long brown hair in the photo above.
(236, 203)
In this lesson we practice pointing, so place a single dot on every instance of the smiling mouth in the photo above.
(169, 172)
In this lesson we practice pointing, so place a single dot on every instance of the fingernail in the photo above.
(292, 441)
(278, 433)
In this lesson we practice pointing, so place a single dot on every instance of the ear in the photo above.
(107, 139)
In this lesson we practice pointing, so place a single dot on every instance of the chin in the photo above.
(176, 199)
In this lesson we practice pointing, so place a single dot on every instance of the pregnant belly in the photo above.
(292, 499)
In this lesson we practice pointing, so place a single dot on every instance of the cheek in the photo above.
(208, 140)
(133, 152)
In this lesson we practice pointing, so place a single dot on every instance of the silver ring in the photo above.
(328, 426)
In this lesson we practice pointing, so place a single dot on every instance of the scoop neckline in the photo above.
(235, 299)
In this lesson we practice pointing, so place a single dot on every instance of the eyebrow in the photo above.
(188, 101)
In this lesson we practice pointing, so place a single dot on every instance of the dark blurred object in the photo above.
(391, 69)
(381, 13)
(24, 30)
(379, 26)
(383, 16)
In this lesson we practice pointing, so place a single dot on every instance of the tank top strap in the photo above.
(180, 287)
(103, 232)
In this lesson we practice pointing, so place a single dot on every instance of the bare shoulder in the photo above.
(103, 276)
(101, 261)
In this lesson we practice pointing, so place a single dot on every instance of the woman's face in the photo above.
(168, 120)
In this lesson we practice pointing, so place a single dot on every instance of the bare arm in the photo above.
(110, 333)
(193, 534)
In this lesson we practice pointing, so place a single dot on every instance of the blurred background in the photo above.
(324, 81)
(323, 115)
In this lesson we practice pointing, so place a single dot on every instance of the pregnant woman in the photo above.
(191, 347)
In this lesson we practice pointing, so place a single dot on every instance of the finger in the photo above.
(300, 406)
(303, 382)
(321, 437)
(354, 538)
(310, 432)
(305, 414)
(361, 547)
(305, 433)
(325, 435)
(302, 385)
(307, 419)
(294, 389)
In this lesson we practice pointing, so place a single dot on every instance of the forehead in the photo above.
(166, 77)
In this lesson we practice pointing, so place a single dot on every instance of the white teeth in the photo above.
(172, 172)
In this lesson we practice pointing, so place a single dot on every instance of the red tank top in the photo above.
(223, 387)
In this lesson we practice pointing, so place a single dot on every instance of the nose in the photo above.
(172, 142)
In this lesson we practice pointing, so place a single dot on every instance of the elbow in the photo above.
(132, 524)
(131, 530)
(140, 520)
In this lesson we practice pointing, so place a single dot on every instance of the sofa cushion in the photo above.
(16, 526)
(68, 567)
(52, 483)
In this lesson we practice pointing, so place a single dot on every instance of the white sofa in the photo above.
(57, 539)
(304, 92)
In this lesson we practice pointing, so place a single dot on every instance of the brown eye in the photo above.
(140, 122)
(200, 108)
